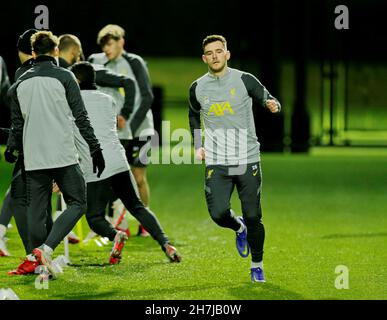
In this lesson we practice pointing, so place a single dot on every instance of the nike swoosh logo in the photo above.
(255, 173)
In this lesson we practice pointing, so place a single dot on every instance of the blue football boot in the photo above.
(241, 241)
(257, 275)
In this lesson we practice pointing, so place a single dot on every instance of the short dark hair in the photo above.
(43, 42)
(66, 41)
(85, 74)
(213, 38)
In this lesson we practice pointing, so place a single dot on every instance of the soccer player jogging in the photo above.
(139, 128)
(117, 175)
(224, 98)
(44, 103)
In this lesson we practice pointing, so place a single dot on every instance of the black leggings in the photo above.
(124, 186)
(219, 185)
(39, 190)
(15, 203)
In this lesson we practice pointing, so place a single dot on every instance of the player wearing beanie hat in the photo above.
(24, 41)
(24, 51)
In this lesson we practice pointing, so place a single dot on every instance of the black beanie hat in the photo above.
(24, 42)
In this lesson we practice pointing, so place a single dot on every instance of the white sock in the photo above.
(257, 264)
(242, 228)
(47, 249)
(3, 230)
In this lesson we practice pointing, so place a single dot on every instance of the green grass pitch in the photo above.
(320, 210)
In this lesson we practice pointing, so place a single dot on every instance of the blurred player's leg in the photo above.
(112, 198)
(18, 206)
(49, 220)
(72, 237)
(39, 184)
(7, 209)
(72, 185)
(143, 188)
(124, 186)
(137, 154)
(119, 220)
(139, 174)
(97, 198)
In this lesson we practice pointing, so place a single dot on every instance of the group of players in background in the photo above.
(64, 129)
(83, 129)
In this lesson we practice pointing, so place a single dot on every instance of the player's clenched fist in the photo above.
(272, 105)
(200, 154)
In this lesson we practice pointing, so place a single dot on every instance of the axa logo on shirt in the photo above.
(220, 109)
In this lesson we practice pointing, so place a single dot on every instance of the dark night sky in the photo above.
(176, 28)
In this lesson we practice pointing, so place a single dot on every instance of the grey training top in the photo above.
(45, 102)
(140, 122)
(101, 110)
(225, 105)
